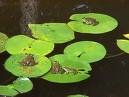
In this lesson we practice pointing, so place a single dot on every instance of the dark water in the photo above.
(110, 76)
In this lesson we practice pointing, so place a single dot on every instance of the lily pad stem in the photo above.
(116, 55)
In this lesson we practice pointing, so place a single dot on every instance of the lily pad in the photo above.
(105, 23)
(88, 50)
(7, 91)
(123, 45)
(3, 39)
(72, 62)
(28, 45)
(23, 85)
(126, 36)
(14, 66)
(77, 95)
(53, 32)
(39, 47)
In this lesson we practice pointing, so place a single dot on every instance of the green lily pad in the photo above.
(88, 50)
(105, 23)
(3, 39)
(14, 66)
(28, 45)
(41, 47)
(70, 62)
(22, 85)
(77, 95)
(54, 32)
(126, 36)
(123, 45)
(7, 91)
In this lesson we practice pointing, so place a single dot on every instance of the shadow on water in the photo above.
(110, 76)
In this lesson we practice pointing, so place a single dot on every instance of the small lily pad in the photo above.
(53, 32)
(126, 36)
(7, 91)
(14, 66)
(81, 66)
(28, 45)
(22, 85)
(77, 95)
(88, 50)
(123, 45)
(105, 23)
(3, 39)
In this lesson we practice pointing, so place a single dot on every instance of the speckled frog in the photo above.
(68, 70)
(56, 68)
(28, 61)
(90, 21)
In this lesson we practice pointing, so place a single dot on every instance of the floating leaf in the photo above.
(77, 95)
(14, 66)
(41, 47)
(3, 39)
(54, 32)
(7, 90)
(89, 50)
(28, 45)
(105, 23)
(67, 61)
(123, 45)
(22, 85)
(126, 35)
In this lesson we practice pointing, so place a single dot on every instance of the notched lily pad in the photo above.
(27, 66)
(21, 44)
(3, 39)
(77, 95)
(23, 85)
(72, 70)
(88, 50)
(92, 23)
(53, 32)
(18, 44)
(7, 91)
(123, 45)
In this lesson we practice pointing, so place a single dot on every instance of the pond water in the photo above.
(110, 76)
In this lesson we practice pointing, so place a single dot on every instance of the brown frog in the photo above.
(56, 68)
(28, 61)
(68, 70)
(90, 21)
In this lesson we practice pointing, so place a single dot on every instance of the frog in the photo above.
(90, 21)
(56, 68)
(70, 70)
(28, 61)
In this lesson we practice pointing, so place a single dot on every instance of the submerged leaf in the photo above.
(123, 45)
(21, 44)
(54, 32)
(88, 50)
(104, 23)
(75, 69)
(7, 91)
(13, 65)
(77, 95)
(22, 85)
(3, 39)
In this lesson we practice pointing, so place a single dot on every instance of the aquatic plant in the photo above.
(29, 59)
(3, 38)
(123, 44)
(77, 95)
